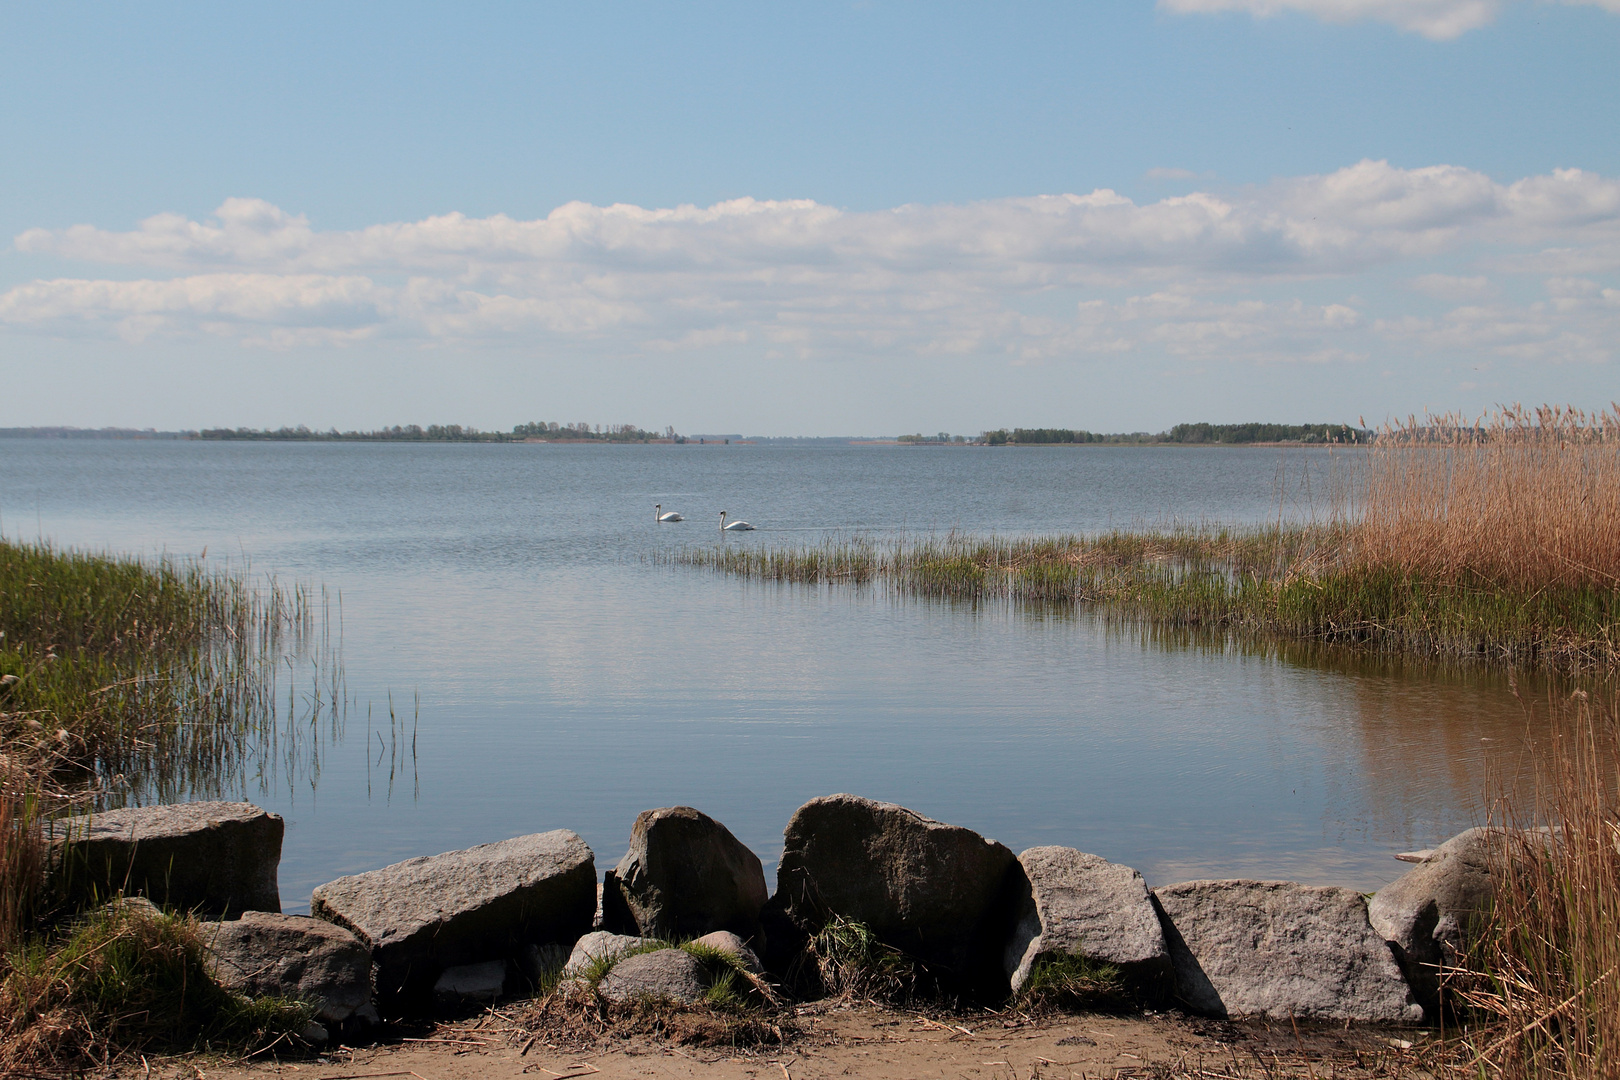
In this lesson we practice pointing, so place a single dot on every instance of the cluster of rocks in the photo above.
(501, 917)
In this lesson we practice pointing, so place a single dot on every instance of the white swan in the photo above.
(659, 516)
(735, 526)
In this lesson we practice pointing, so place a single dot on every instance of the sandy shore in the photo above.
(869, 1042)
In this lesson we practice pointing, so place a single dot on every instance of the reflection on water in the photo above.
(519, 665)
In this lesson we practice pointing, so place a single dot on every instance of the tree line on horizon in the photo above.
(551, 431)
(1185, 434)
(542, 430)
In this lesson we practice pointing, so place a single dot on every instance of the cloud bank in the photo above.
(1277, 273)
(1438, 20)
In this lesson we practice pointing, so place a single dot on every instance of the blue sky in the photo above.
(814, 218)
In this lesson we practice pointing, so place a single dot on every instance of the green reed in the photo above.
(1314, 582)
(145, 680)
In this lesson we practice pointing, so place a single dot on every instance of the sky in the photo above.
(806, 218)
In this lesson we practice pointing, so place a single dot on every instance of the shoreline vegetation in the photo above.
(140, 681)
(1199, 434)
(1497, 539)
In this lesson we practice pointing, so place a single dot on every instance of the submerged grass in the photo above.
(1498, 539)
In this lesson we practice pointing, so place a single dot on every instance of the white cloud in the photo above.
(1199, 275)
(1438, 20)
(1579, 323)
(1451, 287)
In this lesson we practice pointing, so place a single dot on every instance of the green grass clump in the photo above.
(732, 985)
(124, 979)
(1074, 982)
(854, 964)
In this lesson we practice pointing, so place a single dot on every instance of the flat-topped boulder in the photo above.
(263, 954)
(938, 892)
(1084, 906)
(1426, 913)
(684, 875)
(1279, 950)
(213, 858)
(484, 903)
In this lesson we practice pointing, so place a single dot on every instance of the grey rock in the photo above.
(264, 954)
(665, 975)
(471, 982)
(1425, 913)
(684, 875)
(138, 906)
(938, 892)
(426, 914)
(1279, 950)
(314, 1033)
(1082, 905)
(599, 945)
(214, 858)
(727, 942)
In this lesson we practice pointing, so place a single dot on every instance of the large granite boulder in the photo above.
(1426, 913)
(486, 903)
(665, 975)
(213, 858)
(1279, 950)
(941, 893)
(685, 875)
(1081, 905)
(263, 954)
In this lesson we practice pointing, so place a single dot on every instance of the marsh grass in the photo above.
(1542, 980)
(130, 680)
(121, 980)
(1498, 539)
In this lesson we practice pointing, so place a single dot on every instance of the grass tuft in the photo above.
(854, 965)
(1074, 983)
(124, 979)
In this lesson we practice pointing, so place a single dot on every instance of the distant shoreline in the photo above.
(579, 434)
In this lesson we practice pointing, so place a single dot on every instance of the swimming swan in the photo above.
(671, 516)
(735, 526)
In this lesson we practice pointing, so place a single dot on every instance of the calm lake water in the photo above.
(552, 676)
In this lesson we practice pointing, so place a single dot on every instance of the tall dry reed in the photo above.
(1520, 499)
(1544, 974)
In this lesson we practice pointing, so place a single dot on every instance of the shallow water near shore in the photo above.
(543, 673)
